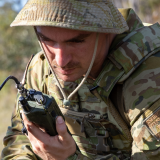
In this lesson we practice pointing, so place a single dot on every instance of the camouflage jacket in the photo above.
(126, 102)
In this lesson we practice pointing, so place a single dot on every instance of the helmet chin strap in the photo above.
(66, 101)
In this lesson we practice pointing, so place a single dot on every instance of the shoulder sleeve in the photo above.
(141, 94)
(37, 73)
(16, 144)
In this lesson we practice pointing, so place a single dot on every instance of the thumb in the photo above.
(61, 127)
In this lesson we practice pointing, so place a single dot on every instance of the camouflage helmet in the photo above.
(87, 15)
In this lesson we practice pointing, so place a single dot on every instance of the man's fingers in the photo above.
(64, 137)
(43, 143)
(61, 128)
(34, 130)
(24, 118)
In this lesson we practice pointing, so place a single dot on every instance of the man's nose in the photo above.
(62, 55)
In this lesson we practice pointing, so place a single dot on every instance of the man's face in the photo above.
(70, 51)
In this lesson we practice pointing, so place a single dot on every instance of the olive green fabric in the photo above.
(141, 94)
(87, 15)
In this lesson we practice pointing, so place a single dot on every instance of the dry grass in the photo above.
(7, 99)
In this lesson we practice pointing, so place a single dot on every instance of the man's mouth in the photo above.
(64, 71)
(67, 70)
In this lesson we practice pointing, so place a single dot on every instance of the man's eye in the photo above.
(77, 41)
(46, 39)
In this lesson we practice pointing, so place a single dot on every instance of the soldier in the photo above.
(113, 60)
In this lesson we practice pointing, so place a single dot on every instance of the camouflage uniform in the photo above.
(128, 93)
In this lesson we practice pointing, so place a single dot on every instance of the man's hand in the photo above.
(58, 147)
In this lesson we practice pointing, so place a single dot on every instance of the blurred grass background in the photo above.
(7, 98)
(17, 44)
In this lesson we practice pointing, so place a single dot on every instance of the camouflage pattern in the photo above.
(141, 93)
(87, 15)
(135, 47)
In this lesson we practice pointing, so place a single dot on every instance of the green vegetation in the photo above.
(17, 44)
(147, 8)
(153, 3)
(148, 11)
